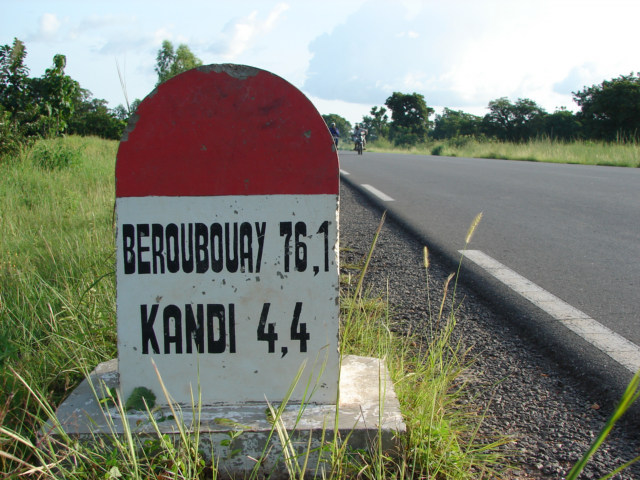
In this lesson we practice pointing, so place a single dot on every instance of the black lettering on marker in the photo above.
(198, 247)
(186, 332)
(217, 246)
(232, 328)
(186, 246)
(143, 232)
(246, 252)
(172, 312)
(173, 253)
(128, 248)
(194, 328)
(232, 263)
(148, 334)
(157, 247)
(260, 235)
(202, 250)
(213, 345)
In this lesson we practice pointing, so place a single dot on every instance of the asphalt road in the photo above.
(572, 230)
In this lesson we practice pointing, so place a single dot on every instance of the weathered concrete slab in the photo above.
(368, 412)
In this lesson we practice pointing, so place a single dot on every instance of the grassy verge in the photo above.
(56, 284)
(58, 319)
(539, 150)
(57, 311)
(442, 439)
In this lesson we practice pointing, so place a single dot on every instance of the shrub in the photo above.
(55, 155)
(11, 140)
(437, 150)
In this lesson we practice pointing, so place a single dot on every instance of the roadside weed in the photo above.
(57, 307)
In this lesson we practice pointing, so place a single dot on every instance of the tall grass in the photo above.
(57, 313)
(58, 322)
(442, 439)
(620, 154)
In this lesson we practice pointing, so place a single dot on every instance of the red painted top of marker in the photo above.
(226, 130)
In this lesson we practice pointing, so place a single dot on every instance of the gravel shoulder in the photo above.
(552, 416)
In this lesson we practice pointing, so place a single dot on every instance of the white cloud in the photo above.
(99, 22)
(162, 34)
(463, 54)
(353, 112)
(48, 28)
(274, 15)
(457, 53)
(49, 25)
(367, 47)
(241, 34)
(579, 76)
(409, 34)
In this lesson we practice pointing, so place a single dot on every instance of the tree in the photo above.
(57, 94)
(49, 105)
(456, 123)
(514, 121)
(377, 124)
(123, 113)
(14, 77)
(170, 63)
(93, 117)
(562, 125)
(11, 139)
(611, 110)
(14, 97)
(409, 118)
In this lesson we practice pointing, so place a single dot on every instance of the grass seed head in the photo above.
(473, 227)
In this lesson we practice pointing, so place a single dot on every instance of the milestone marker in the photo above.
(227, 188)
(227, 185)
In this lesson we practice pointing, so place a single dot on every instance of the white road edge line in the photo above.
(344, 172)
(382, 196)
(623, 351)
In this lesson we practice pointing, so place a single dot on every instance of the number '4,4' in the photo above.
(267, 331)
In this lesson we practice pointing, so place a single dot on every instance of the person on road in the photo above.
(335, 133)
(360, 132)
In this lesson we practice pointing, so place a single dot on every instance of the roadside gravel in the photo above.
(550, 415)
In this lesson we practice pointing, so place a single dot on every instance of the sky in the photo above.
(346, 56)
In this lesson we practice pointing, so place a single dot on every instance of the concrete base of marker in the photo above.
(368, 413)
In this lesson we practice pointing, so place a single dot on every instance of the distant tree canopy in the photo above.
(42, 105)
(93, 117)
(14, 77)
(58, 96)
(377, 125)
(456, 123)
(409, 118)
(47, 106)
(611, 110)
(56, 104)
(563, 125)
(170, 62)
(514, 121)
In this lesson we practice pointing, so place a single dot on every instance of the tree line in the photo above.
(50, 105)
(609, 112)
(55, 104)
